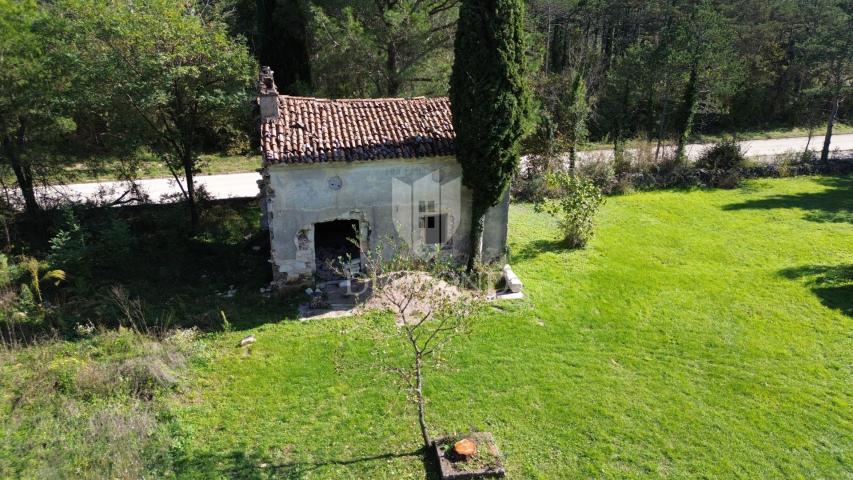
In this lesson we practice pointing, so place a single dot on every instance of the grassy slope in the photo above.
(700, 335)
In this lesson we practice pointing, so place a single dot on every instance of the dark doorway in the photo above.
(435, 228)
(334, 240)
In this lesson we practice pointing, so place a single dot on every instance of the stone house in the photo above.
(339, 176)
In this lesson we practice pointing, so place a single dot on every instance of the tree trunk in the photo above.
(8, 247)
(827, 139)
(23, 171)
(805, 154)
(688, 110)
(545, 64)
(662, 120)
(419, 393)
(619, 166)
(393, 84)
(189, 163)
(573, 154)
(618, 130)
(475, 249)
(24, 175)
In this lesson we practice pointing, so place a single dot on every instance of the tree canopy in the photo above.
(85, 79)
(172, 70)
(383, 48)
(36, 98)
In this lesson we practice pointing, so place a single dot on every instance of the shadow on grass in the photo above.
(239, 464)
(534, 248)
(180, 277)
(834, 205)
(833, 284)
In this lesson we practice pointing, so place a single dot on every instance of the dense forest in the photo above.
(658, 68)
(85, 80)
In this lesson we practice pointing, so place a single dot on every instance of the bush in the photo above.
(622, 161)
(724, 155)
(795, 162)
(113, 248)
(721, 165)
(530, 185)
(575, 206)
(600, 171)
(5, 274)
(529, 188)
(92, 250)
(68, 248)
(25, 285)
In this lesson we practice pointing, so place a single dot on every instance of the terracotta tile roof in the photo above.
(311, 130)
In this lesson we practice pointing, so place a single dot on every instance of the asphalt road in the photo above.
(759, 148)
(233, 185)
(245, 184)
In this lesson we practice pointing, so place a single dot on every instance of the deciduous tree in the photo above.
(829, 51)
(701, 51)
(34, 98)
(173, 71)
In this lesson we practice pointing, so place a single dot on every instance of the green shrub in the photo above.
(68, 248)
(724, 155)
(575, 206)
(721, 165)
(82, 250)
(792, 162)
(529, 188)
(622, 163)
(114, 247)
(26, 299)
(5, 273)
(601, 171)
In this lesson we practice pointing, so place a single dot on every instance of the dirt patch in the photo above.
(411, 295)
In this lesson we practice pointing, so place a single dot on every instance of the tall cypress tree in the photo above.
(490, 103)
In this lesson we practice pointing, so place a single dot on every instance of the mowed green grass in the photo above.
(702, 334)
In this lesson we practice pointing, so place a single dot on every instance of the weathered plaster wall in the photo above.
(383, 195)
(495, 230)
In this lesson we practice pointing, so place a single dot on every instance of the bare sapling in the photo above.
(430, 310)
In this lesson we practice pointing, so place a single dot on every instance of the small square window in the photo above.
(426, 206)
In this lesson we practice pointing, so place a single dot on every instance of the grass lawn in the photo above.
(106, 169)
(702, 334)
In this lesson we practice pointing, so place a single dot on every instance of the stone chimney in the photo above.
(267, 94)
